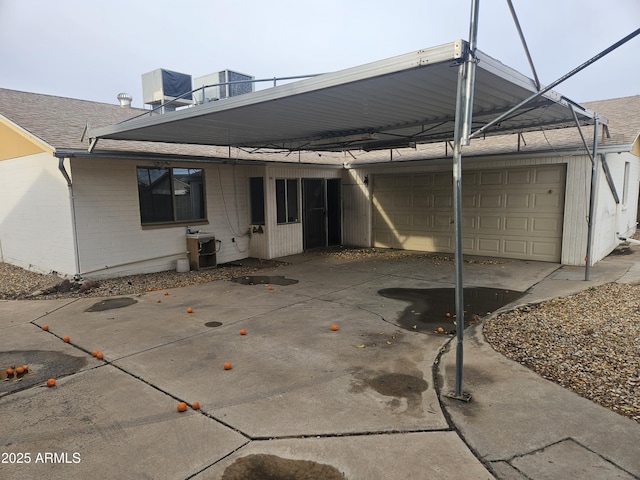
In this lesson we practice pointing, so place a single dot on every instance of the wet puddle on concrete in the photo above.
(42, 365)
(271, 467)
(405, 390)
(264, 280)
(111, 303)
(213, 324)
(432, 309)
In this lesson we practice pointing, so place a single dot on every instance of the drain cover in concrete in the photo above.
(568, 459)
(111, 303)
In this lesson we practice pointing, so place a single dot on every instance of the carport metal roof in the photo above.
(390, 103)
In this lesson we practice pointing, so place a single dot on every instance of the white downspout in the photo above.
(73, 217)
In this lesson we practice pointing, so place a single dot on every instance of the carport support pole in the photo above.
(464, 109)
(592, 198)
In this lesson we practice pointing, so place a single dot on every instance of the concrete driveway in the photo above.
(300, 398)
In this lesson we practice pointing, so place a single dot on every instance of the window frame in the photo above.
(256, 201)
(288, 200)
(175, 211)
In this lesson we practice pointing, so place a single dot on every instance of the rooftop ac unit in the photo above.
(227, 84)
(161, 86)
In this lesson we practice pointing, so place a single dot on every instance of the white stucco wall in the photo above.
(110, 233)
(35, 215)
(616, 220)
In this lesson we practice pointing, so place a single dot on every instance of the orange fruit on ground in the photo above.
(45, 327)
(195, 405)
(158, 301)
(51, 382)
(95, 353)
(66, 339)
(182, 407)
(447, 315)
(189, 310)
(440, 329)
(150, 289)
(9, 371)
(99, 355)
(243, 331)
(269, 287)
(19, 370)
(26, 367)
(166, 293)
(226, 365)
(334, 327)
(158, 288)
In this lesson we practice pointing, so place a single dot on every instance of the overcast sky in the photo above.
(95, 49)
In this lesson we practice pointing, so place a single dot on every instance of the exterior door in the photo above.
(313, 213)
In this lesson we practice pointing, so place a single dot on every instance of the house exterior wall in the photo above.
(35, 215)
(286, 239)
(616, 220)
(110, 233)
(575, 228)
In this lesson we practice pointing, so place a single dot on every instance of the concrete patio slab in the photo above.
(16, 312)
(434, 455)
(292, 357)
(104, 423)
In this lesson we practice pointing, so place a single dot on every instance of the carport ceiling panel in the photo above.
(411, 97)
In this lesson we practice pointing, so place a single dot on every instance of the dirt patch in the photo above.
(264, 280)
(43, 364)
(111, 303)
(272, 467)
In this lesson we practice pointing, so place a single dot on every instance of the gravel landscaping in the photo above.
(588, 342)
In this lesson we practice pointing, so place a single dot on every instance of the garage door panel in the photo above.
(516, 225)
(490, 200)
(554, 201)
(489, 222)
(549, 175)
(489, 246)
(491, 178)
(512, 213)
(517, 200)
(516, 247)
(518, 177)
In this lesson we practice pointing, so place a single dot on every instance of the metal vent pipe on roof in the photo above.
(125, 100)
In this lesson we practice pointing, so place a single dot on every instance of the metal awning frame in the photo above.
(468, 58)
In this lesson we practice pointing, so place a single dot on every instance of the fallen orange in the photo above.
(51, 382)
(189, 310)
(334, 327)
(45, 327)
(26, 367)
(66, 339)
(440, 329)
(158, 301)
(19, 370)
(447, 315)
(9, 371)
(95, 353)
(166, 293)
(182, 407)
(227, 366)
(243, 331)
(195, 405)
(99, 356)
(269, 287)
(150, 289)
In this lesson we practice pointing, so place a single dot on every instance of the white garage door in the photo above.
(510, 213)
